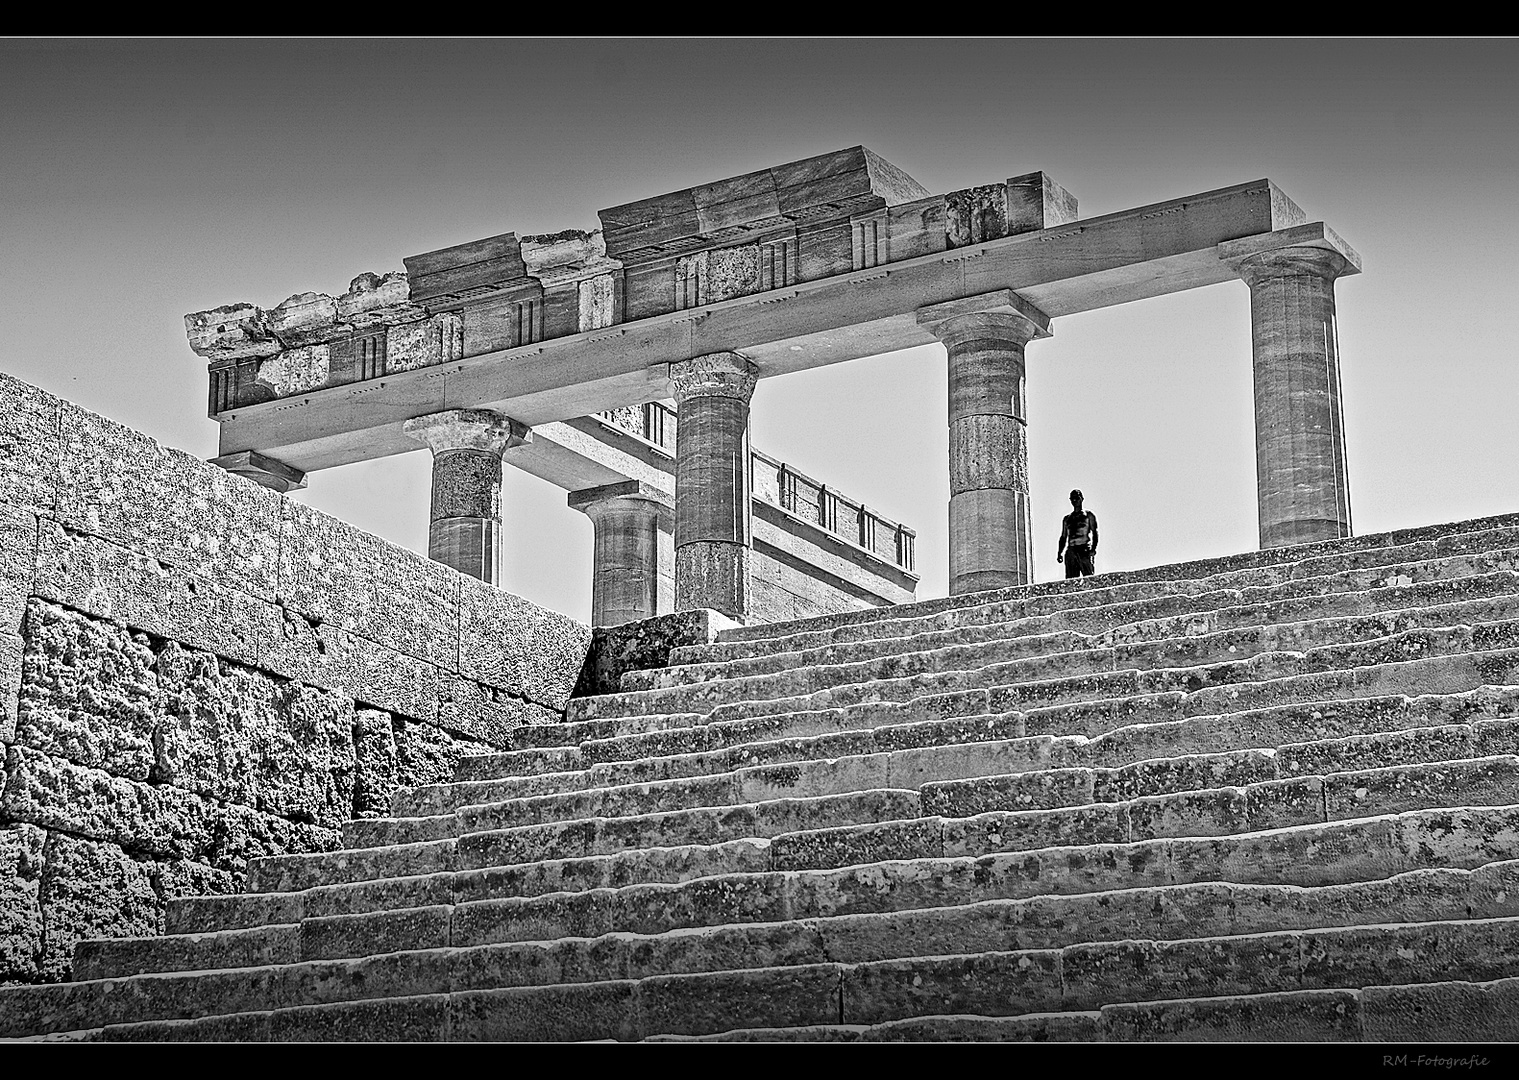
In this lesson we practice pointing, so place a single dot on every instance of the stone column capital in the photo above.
(724, 374)
(589, 501)
(1291, 262)
(468, 429)
(1314, 250)
(1001, 314)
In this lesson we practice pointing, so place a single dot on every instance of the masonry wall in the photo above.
(195, 670)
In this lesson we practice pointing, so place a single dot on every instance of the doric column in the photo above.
(990, 542)
(1301, 483)
(627, 575)
(467, 445)
(712, 511)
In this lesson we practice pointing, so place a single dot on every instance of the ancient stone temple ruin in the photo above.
(268, 777)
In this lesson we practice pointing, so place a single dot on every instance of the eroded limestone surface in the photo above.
(196, 673)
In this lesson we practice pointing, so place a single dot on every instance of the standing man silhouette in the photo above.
(1078, 540)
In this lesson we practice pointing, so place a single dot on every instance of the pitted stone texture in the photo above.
(423, 344)
(731, 272)
(716, 575)
(152, 819)
(324, 655)
(375, 763)
(426, 754)
(596, 304)
(242, 736)
(644, 645)
(722, 374)
(28, 445)
(989, 451)
(92, 889)
(124, 486)
(468, 429)
(230, 332)
(18, 543)
(88, 691)
(296, 371)
(337, 574)
(466, 483)
(510, 643)
(488, 713)
(108, 580)
(20, 902)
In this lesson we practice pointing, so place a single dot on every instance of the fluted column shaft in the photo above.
(1302, 488)
(467, 445)
(713, 541)
(626, 576)
(990, 534)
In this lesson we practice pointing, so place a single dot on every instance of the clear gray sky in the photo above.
(143, 180)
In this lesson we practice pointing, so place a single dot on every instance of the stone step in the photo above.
(1451, 1011)
(1486, 598)
(679, 753)
(1363, 569)
(1204, 909)
(1391, 726)
(1214, 812)
(1462, 1012)
(1283, 674)
(475, 998)
(1206, 813)
(847, 684)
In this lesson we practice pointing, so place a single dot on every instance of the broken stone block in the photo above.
(303, 319)
(373, 295)
(20, 901)
(296, 371)
(230, 333)
(465, 269)
(88, 691)
(975, 215)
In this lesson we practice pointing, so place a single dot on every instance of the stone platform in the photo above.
(1269, 797)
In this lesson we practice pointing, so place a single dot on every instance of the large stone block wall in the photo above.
(195, 670)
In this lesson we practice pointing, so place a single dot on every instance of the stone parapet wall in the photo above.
(195, 671)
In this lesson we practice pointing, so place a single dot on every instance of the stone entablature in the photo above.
(824, 216)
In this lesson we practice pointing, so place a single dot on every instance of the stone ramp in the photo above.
(1274, 796)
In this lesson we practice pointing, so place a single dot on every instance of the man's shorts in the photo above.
(1078, 562)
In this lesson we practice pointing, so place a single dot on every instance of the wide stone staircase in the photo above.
(1271, 797)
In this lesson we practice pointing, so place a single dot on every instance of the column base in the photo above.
(713, 574)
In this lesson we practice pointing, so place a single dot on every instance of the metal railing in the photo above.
(780, 485)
